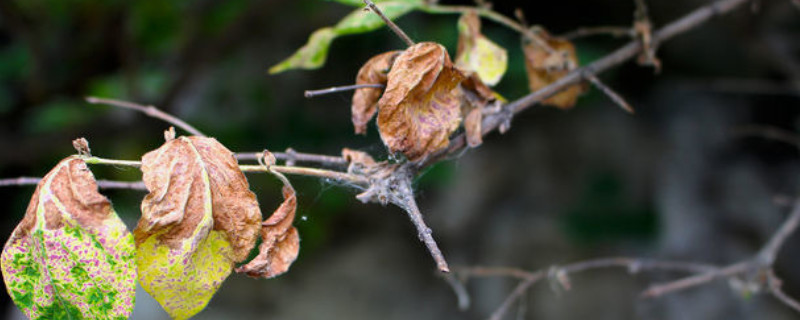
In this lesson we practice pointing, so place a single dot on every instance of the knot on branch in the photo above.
(388, 183)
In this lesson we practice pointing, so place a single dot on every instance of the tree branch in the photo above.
(626, 52)
(561, 274)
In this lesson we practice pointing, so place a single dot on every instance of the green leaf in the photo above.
(71, 257)
(312, 55)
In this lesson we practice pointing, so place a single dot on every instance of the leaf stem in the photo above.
(111, 162)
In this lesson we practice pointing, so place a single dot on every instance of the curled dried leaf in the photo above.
(472, 127)
(82, 146)
(478, 54)
(358, 157)
(421, 105)
(545, 65)
(280, 243)
(365, 100)
(475, 98)
(198, 220)
(644, 31)
(71, 257)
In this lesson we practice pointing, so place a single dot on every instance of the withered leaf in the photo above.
(478, 54)
(198, 220)
(421, 105)
(472, 127)
(365, 100)
(280, 243)
(545, 65)
(358, 157)
(71, 257)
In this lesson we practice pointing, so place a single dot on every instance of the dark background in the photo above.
(674, 181)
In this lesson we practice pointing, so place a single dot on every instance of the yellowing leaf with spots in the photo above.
(199, 219)
(478, 54)
(71, 257)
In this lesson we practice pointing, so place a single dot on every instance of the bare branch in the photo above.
(462, 295)
(618, 99)
(688, 282)
(774, 284)
(409, 204)
(291, 156)
(630, 50)
(529, 278)
(763, 260)
(314, 172)
(618, 32)
(102, 184)
(150, 111)
(399, 32)
(770, 250)
(320, 92)
(769, 132)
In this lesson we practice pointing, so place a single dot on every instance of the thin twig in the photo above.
(618, 32)
(618, 99)
(399, 32)
(763, 260)
(770, 250)
(291, 156)
(769, 132)
(462, 295)
(102, 184)
(314, 172)
(150, 111)
(519, 290)
(481, 271)
(320, 92)
(529, 278)
(774, 283)
(688, 282)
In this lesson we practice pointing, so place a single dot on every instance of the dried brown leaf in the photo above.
(545, 65)
(365, 100)
(421, 105)
(476, 95)
(198, 220)
(472, 127)
(358, 157)
(174, 174)
(280, 242)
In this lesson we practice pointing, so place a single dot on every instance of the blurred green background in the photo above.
(672, 181)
